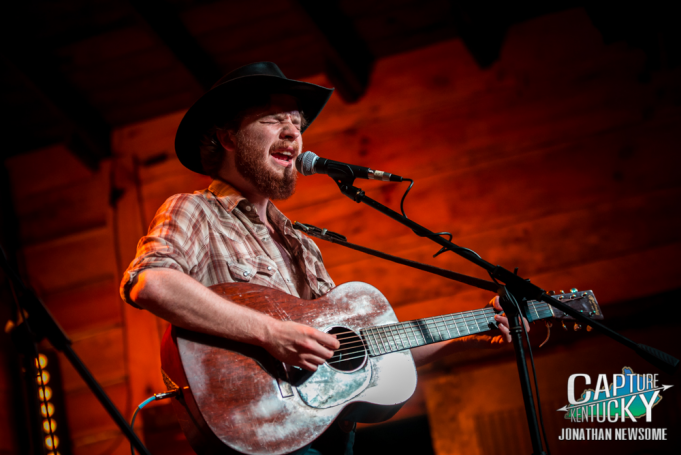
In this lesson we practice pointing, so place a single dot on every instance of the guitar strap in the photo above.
(338, 239)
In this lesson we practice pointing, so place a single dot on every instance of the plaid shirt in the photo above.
(215, 236)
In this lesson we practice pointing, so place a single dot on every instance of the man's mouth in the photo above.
(283, 157)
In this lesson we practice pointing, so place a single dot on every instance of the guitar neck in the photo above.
(385, 339)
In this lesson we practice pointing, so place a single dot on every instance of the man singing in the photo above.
(246, 134)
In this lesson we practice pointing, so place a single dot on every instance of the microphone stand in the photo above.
(513, 295)
(43, 325)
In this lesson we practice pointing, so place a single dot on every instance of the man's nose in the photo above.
(290, 131)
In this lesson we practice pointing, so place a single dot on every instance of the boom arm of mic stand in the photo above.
(518, 286)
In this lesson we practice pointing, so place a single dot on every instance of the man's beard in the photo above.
(252, 166)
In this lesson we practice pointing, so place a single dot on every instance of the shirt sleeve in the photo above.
(173, 241)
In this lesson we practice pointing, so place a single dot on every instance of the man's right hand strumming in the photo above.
(299, 345)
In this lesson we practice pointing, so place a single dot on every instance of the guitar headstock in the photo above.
(582, 301)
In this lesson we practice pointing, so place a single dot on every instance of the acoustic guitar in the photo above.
(236, 397)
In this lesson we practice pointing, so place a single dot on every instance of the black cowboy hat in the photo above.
(231, 93)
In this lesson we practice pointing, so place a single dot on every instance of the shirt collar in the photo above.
(228, 196)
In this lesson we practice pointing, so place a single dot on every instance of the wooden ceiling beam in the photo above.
(162, 19)
(349, 61)
(89, 135)
(482, 28)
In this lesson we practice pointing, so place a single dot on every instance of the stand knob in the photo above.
(577, 327)
(562, 323)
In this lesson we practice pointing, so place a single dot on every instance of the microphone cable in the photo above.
(436, 234)
(156, 396)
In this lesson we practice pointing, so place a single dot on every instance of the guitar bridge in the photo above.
(285, 388)
(284, 382)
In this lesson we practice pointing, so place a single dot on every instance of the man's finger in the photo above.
(307, 366)
(326, 340)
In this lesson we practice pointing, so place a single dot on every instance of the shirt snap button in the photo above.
(248, 207)
(269, 267)
(245, 273)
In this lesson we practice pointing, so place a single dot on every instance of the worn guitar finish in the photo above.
(246, 398)
(237, 397)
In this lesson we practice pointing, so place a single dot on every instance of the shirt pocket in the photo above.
(249, 269)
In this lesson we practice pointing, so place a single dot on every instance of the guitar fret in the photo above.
(374, 346)
(476, 324)
(406, 334)
(366, 342)
(424, 334)
(396, 330)
(415, 333)
(409, 327)
(447, 328)
(377, 340)
(392, 335)
(437, 327)
(455, 325)
(381, 334)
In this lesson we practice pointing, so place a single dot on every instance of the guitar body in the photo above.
(237, 397)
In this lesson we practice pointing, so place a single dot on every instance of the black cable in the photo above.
(437, 234)
(405, 196)
(156, 396)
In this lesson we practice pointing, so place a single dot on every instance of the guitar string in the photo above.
(466, 316)
(453, 320)
(475, 316)
(394, 333)
(395, 338)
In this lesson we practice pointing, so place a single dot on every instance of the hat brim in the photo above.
(221, 101)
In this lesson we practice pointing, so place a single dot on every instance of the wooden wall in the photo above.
(558, 160)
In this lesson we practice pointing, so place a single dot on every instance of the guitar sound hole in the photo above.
(351, 354)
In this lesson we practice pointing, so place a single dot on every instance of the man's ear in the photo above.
(226, 138)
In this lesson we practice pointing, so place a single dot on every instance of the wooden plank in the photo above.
(152, 85)
(285, 25)
(551, 181)
(61, 211)
(205, 18)
(91, 307)
(34, 173)
(109, 442)
(99, 49)
(71, 261)
(613, 280)
(87, 418)
(531, 246)
(147, 138)
(103, 354)
(141, 335)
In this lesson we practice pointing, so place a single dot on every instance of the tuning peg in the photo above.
(589, 328)
(573, 290)
(562, 323)
(562, 292)
(577, 327)
(552, 292)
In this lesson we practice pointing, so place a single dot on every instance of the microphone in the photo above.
(309, 163)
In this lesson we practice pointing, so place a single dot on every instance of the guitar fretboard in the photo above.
(385, 339)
